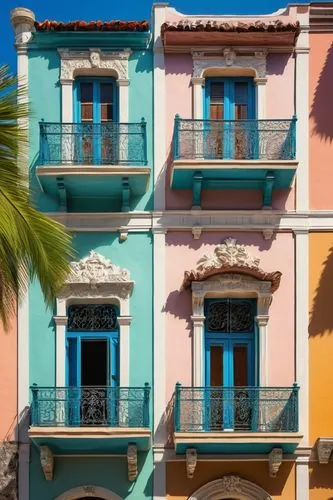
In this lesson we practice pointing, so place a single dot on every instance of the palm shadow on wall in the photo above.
(322, 106)
(321, 316)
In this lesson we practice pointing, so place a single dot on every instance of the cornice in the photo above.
(207, 220)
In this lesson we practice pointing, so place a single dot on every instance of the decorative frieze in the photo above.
(229, 58)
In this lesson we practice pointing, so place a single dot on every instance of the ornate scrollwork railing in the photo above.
(243, 409)
(234, 139)
(90, 406)
(109, 143)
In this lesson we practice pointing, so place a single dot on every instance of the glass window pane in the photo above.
(106, 112)
(216, 111)
(240, 366)
(241, 93)
(216, 366)
(86, 92)
(86, 112)
(106, 93)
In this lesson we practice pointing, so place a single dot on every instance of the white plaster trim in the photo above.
(95, 279)
(160, 155)
(159, 475)
(227, 285)
(302, 479)
(209, 220)
(89, 491)
(302, 112)
(230, 486)
(159, 280)
(301, 329)
(197, 84)
(93, 62)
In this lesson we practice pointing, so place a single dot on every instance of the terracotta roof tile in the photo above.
(139, 26)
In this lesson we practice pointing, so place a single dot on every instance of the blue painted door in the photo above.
(95, 111)
(92, 364)
(228, 102)
(229, 361)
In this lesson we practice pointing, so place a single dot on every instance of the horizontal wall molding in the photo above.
(217, 220)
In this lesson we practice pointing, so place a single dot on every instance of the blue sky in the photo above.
(66, 10)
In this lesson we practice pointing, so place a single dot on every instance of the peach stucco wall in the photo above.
(321, 123)
(182, 254)
(321, 335)
(8, 380)
(279, 104)
(179, 487)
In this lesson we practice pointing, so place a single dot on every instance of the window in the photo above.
(95, 113)
(229, 360)
(92, 343)
(228, 100)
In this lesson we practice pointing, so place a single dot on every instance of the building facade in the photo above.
(186, 356)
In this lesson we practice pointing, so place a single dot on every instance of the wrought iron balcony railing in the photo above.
(234, 139)
(108, 143)
(90, 406)
(243, 409)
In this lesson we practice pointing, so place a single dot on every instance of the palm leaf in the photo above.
(32, 245)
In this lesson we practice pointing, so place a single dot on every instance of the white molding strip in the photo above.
(159, 474)
(301, 329)
(159, 15)
(302, 112)
(208, 220)
(302, 479)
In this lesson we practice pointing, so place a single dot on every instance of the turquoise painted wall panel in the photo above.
(110, 473)
(141, 106)
(45, 104)
(135, 254)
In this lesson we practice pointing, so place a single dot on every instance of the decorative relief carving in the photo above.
(72, 61)
(196, 232)
(275, 460)
(230, 59)
(89, 490)
(229, 485)
(324, 450)
(230, 257)
(191, 462)
(46, 460)
(132, 462)
(96, 276)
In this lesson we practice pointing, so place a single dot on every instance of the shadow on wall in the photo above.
(321, 318)
(322, 106)
(321, 477)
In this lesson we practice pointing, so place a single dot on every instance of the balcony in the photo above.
(236, 419)
(80, 161)
(90, 420)
(234, 154)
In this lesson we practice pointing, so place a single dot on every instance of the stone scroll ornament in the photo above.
(230, 257)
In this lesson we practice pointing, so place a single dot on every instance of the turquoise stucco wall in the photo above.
(109, 473)
(135, 254)
(45, 104)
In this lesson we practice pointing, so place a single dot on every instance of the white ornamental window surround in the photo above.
(93, 62)
(230, 272)
(229, 63)
(230, 487)
(88, 491)
(95, 280)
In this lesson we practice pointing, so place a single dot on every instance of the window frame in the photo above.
(229, 96)
(96, 82)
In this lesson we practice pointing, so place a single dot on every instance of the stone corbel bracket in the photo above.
(196, 232)
(274, 461)
(47, 462)
(324, 449)
(123, 233)
(132, 462)
(267, 234)
(191, 462)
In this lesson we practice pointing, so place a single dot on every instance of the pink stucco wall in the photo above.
(8, 381)
(279, 104)
(321, 124)
(276, 255)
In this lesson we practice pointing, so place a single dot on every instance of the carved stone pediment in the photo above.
(96, 276)
(230, 257)
(230, 486)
